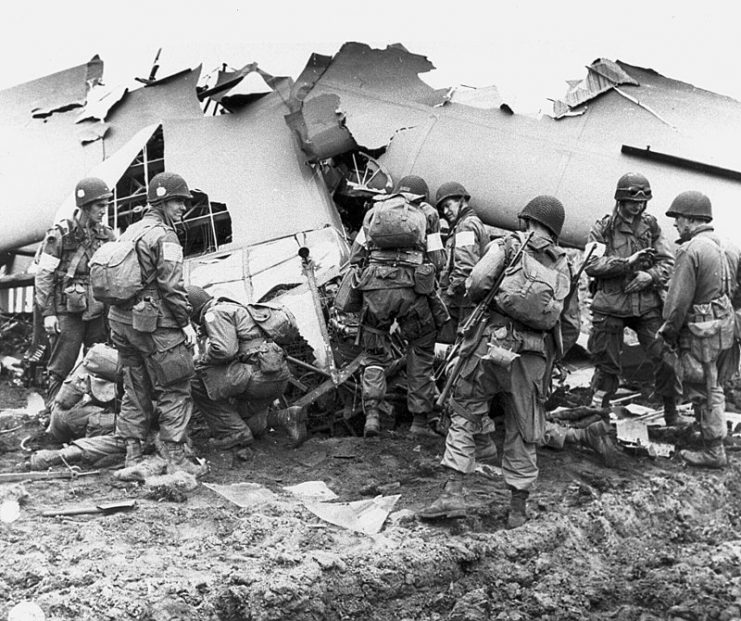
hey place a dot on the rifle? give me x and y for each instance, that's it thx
(475, 322)
(577, 277)
(43, 475)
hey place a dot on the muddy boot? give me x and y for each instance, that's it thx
(149, 466)
(177, 461)
(239, 439)
(450, 504)
(41, 460)
(597, 437)
(293, 421)
(258, 423)
(372, 423)
(420, 427)
(517, 508)
(671, 418)
(713, 456)
(486, 450)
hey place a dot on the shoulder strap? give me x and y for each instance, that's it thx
(73, 264)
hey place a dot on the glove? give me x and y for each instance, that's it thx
(640, 281)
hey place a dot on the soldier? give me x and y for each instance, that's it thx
(239, 373)
(514, 354)
(397, 280)
(699, 318)
(153, 334)
(630, 268)
(465, 245)
(72, 317)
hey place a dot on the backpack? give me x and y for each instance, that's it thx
(115, 273)
(275, 320)
(397, 223)
(533, 293)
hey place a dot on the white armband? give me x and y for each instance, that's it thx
(47, 262)
(465, 238)
(172, 252)
(434, 242)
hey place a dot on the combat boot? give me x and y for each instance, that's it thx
(517, 508)
(258, 423)
(450, 504)
(239, 439)
(41, 460)
(597, 437)
(177, 461)
(671, 417)
(486, 450)
(420, 427)
(713, 456)
(372, 423)
(293, 421)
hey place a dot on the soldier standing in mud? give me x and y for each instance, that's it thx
(154, 336)
(465, 244)
(72, 317)
(630, 268)
(513, 358)
(397, 282)
(699, 319)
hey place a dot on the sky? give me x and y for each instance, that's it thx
(527, 48)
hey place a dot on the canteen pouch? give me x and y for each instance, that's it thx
(424, 279)
(144, 316)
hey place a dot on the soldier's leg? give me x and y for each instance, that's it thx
(65, 349)
(709, 402)
(137, 410)
(380, 306)
(68, 424)
(524, 421)
(226, 425)
(96, 331)
(605, 346)
(418, 327)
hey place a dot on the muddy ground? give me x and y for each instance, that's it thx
(651, 539)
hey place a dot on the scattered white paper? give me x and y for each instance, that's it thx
(245, 495)
(363, 516)
(312, 490)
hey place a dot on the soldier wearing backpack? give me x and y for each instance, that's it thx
(397, 279)
(152, 331)
(630, 271)
(242, 369)
(532, 320)
(72, 317)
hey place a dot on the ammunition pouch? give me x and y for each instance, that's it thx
(711, 329)
(75, 296)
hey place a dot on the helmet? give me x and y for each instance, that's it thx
(547, 210)
(691, 204)
(448, 190)
(413, 184)
(91, 189)
(633, 187)
(165, 186)
(197, 298)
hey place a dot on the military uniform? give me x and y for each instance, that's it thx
(239, 373)
(396, 285)
(157, 366)
(465, 246)
(613, 309)
(525, 383)
(62, 289)
(700, 290)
